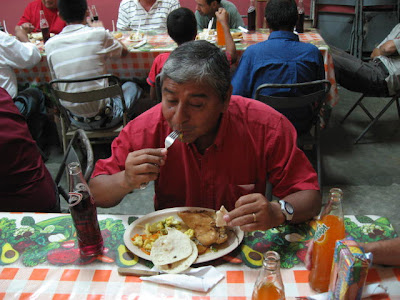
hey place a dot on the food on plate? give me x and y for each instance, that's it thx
(181, 265)
(203, 35)
(219, 217)
(237, 35)
(204, 226)
(136, 36)
(37, 36)
(117, 35)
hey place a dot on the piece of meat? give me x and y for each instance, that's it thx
(203, 224)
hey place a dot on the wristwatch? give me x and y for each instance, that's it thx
(287, 210)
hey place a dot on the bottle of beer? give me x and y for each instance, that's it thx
(84, 213)
(330, 228)
(44, 27)
(251, 16)
(300, 18)
(269, 283)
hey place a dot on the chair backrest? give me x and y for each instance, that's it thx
(315, 99)
(79, 150)
(114, 89)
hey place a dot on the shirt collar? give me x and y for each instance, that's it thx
(283, 35)
(72, 27)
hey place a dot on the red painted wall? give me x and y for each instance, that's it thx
(107, 9)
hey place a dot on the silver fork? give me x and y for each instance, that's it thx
(169, 140)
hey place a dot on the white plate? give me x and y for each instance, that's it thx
(237, 40)
(235, 236)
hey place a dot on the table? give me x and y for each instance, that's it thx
(139, 61)
(39, 260)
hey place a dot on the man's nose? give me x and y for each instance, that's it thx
(181, 115)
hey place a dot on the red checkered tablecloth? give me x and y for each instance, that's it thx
(138, 62)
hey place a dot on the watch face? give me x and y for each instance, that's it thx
(289, 208)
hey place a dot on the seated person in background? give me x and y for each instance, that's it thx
(385, 252)
(380, 76)
(280, 59)
(81, 51)
(181, 24)
(31, 101)
(145, 14)
(25, 183)
(30, 20)
(206, 10)
(229, 146)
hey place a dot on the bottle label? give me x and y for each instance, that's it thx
(321, 230)
(81, 187)
(74, 198)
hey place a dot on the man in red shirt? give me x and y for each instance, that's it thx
(30, 20)
(25, 182)
(229, 147)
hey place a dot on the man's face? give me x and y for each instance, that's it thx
(194, 109)
(204, 9)
(50, 3)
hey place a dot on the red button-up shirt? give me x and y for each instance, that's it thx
(254, 143)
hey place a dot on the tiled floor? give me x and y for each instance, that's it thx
(367, 172)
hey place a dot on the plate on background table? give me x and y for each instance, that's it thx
(235, 235)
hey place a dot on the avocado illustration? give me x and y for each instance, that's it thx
(125, 257)
(251, 257)
(8, 254)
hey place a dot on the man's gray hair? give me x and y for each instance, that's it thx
(199, 61)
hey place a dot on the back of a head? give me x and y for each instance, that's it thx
(199, 61)
(281, 14)
(211, 1)
(72, 11)
(182, 25)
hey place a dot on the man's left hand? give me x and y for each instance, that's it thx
(255, 212)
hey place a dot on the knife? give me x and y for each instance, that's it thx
(137, 272)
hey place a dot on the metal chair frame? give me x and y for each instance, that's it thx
(316, 99)
(96, 136)
(372, 118)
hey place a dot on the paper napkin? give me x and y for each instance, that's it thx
(197, 279)
(369, 290)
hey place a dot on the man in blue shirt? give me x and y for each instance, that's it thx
(280, 59)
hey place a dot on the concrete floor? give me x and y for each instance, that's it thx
(367, 172)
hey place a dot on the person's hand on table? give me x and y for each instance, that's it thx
(255, 212)
(143, 166)
(27, 27)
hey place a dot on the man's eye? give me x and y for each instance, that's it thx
(196, 105)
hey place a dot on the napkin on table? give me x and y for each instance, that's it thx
(369, 290)
(197, 279)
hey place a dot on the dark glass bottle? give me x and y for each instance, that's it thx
(300, 19)
(251, 16)
(84, 213)
(44, 27)
(94, 12)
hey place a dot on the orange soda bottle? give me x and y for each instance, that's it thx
(269, 285)
(330, 228)
(220, 34)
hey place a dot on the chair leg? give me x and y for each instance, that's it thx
(398, 106)
(352, 108)
(375, 120)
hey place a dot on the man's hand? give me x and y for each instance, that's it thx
(28, 27)
(255, 212)
(386, 49)
(94, 23)
(222, 16)
(143, 166)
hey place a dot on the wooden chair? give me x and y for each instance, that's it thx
(359, 103)
(315, 99)
(67, 129)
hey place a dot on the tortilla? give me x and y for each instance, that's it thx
(182, 265)
(171, 248)
(219, 217)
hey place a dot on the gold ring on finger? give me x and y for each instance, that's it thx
(254, 218)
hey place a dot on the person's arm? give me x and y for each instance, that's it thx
(385, 252)
(141, 167)
(386, 49)
(21, 31)
(223, 17)
(306, 204)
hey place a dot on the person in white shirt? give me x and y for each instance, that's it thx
(81, 51)
(31, 101)
(145, 14)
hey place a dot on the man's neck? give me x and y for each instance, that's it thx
(147, 4)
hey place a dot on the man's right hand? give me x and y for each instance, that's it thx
(143, 166)
(28, 27)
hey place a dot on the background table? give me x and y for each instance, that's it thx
(139, 61)
(39, 258)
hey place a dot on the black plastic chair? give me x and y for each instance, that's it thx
(359, 103)
(315, 99)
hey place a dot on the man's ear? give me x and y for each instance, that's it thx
(228, 98)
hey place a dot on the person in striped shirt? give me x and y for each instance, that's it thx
(145, 14)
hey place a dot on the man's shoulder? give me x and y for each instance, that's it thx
(226, 3)
(170, 2)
